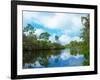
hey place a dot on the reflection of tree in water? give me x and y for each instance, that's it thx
(41, 56)
(74, 51)
(78, 51)
(56, 60)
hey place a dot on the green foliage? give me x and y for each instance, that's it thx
(82, 46)
(41, 56)
(44, 35)
(32, 42)
(29, 28)
(74, 47)
(85, 36)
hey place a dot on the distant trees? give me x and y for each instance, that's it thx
(31, 41)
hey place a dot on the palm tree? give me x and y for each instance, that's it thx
(44, 36)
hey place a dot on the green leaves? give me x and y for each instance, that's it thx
(29, 28)
(85, 36)
(44, 35)
(33, 42)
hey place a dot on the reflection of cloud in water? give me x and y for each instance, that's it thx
(34, 65)
(78, 56)
(75, 61)
(65, 55)
(53, 57)
(37, 63)
(63, 59)
(66, 59)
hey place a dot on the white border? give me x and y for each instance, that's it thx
(21, 71)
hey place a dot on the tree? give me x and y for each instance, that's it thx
(44, 36)
(85, 37)
(56, 38)
(29, 30)
(29, 27)
(85, 30)
(30, 41)
(85, 33)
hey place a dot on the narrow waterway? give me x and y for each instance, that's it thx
(52, 58)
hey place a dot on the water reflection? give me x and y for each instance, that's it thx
(51, 58)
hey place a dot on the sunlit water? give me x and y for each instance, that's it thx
(52, 58)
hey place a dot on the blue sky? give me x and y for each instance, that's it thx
(65, 25)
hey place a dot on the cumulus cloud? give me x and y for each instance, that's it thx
(65, 39)
(55, 20)
(69, 24)
(52, 38)
(62, 21)
(39, 31)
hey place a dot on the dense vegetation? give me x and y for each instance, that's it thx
(31, 41)
(41, 56)
(82, 46)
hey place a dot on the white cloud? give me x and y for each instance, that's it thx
(38, 31)
(54, 22)
(65, 39)
(65, 56)
(27, 33)
(52, 38)
(29, 15)
(76, 38)
(62, 21)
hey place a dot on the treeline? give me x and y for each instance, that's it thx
(75, 47)
(82, 46)
(31, 41)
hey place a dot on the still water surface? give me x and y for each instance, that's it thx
(52, 58)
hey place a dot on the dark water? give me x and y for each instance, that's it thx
(52, 58)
